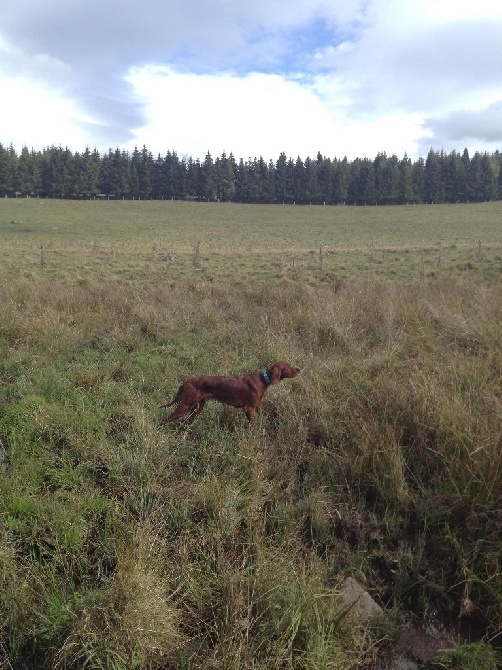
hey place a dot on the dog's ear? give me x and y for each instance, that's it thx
(275, 373)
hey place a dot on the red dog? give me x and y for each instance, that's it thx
(245, 391)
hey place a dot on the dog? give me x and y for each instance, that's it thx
(243, 391)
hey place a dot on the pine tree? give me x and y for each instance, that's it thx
(405, 192)
(283, 179)
(300, 189)
(361, 188)
(325, 179)
(193, 178)
(86, 173)
(113, 173)
(56, 172)
(341, 171)
(57, 177)
(208, 178)
(434, 188)
(418, 179)
(312, 190)
(241, 181)
(27, 175)
(141, 172)
(225, 177)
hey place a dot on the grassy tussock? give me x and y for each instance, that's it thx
(126, 545)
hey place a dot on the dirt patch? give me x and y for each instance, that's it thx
(424, 643)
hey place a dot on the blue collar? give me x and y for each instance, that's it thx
(265, 376)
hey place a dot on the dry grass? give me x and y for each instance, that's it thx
(219, 545)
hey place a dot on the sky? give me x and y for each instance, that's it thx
(252, 77)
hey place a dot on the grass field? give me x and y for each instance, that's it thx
(125, 544)
(154, 241)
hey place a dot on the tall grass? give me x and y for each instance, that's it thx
(124, 544)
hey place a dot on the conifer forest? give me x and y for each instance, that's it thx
(440, 177)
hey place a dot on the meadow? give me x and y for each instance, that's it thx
(215, 544)
(152, 241)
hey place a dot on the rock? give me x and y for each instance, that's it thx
(359, 601)
(404, 664)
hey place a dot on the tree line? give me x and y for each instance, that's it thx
(439, 178)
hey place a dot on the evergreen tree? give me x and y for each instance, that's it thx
(474, 178)
(464, 185)
(266, 186)
(271, 193)
(379, 167)
(325, 179)
(241, 181)
(433, 178)
(418, 179)
(57, 177)
(312, 190)
(251, 181)
(114, 175)
(300, 187)
(361, 187)
(482, 182)
(386, 172)
(8, 167)
(141, 172)
(405, 191)
(145, 173)
(86, 172)
(208, 178)
(225, 177)
(283, 179)
(159, 187)
(454, 177)
(497, 159)
(341, 171)
(56, 172)
(193, 178)
(168, 176)
(27, 176)
(178, 169)
(489, 176)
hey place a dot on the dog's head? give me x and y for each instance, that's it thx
(281, 370)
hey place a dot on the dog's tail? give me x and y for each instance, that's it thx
(175, 400)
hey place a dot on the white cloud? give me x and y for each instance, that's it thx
(34, 116)
(298, 76)
(252, 115)
(255, 114)
(419, 62)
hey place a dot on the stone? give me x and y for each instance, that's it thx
(359, 601)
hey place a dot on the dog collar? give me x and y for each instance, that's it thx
(265, 376)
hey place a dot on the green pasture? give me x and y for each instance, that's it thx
(157, 241)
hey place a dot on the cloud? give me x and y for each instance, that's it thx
(433, 63)
(251, 115)
(62, 122)
(135, 32)
(483, 127)
(252, 78)
(99, 42)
